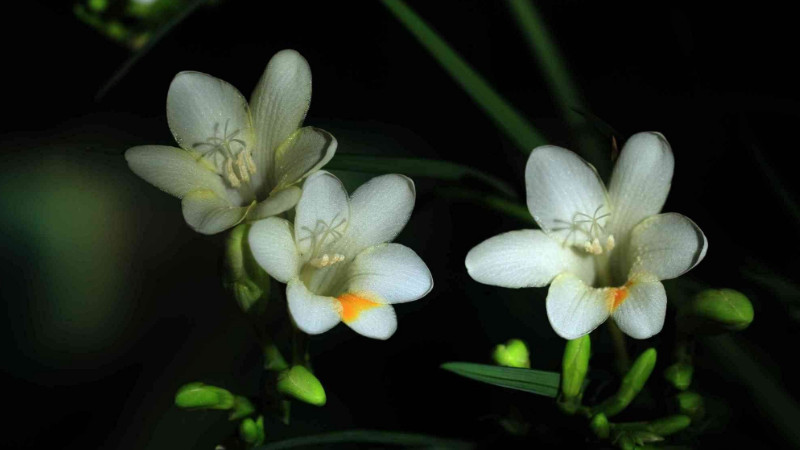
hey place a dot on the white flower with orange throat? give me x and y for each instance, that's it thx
(337, 258)
(603, 252)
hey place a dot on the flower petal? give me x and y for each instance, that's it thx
(279, 103)
(313, 314)
(207, 213)
(204, 111)
(276, 203)
(306, 151)
(322, 214)
(173, 170)
(665, 246)
(575, 309)
(524, 258)
(641, 314)
(379, 209)
(272, 244)
(368, 317)
(564, 194)
(640, 182)
(391, 272)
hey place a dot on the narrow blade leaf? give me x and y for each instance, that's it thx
(369, 437)
(499, 109)
(534, 381)
(417, 167)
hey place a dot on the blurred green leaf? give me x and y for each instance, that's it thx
(499, 109)
(417, 167)
(505, 206)
(369, 437)
(533, 381)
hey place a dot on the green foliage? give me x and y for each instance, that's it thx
(534, 381)
(383, 438)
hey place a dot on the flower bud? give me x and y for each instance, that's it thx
(600, 426)
(632, 383)
(252, 431)
(716, 311)
(669, 425)
(513, 354)
(300, 383)
(243, 276)
(201, 396)
(691, 404)
(574, 365)
(242, 407)
(679, 375)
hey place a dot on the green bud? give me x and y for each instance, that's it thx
(669, 425)
(679, 375)
(632, 383)
(273, 360)
(243, 276)
(513, 354)
(252, 431)
(242, 407)
(715, 311)
(574, 366)
(201, 396)
(600, 426)
(300, 383)
(691, 404)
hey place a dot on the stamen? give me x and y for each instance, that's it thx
(326, 260)
(610, 243)
(593, 247)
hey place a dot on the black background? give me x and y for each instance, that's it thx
(719, 83)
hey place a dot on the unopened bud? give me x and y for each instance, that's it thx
(574, 365)
(243, 276)
(632, 383)
(669, 425)
(252, 431)
(201, 396)
(600, 426)
(691, 404)
(716, 311)
(242, 407)
(300, 383)
(513, 354)
(679, 375)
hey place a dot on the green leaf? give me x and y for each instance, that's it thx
(533, 381)
(417, 167)
(499, 109)
(370, 437)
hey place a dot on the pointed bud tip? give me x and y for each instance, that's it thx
(201, 396)
(300, 383)
(513, 353)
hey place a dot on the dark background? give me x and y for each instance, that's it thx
(112, 302)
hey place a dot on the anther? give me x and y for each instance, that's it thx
(610, 243)
(326, 260)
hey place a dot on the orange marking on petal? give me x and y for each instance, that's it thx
(617, 296)
(353, 306)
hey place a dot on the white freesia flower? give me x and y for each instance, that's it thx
(603, 253)
(336, 259)
(236, 161)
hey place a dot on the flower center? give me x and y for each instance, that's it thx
(322, 273)
(588, 232)
(230, 156)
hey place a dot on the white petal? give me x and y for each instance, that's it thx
(391, 272)
(379, 209)
(524, 258)
(306, 151)
(276, 203)
(314, 314)
(665, 246)
(173, 170)
(207, 213)
(203, 111)
(322, 214)
(641, 314)
(376, 321)
(641, 180)
(279, 104)
(272, 244)
(575, 309)
(564, 194)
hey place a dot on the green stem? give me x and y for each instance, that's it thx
(623, 360)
